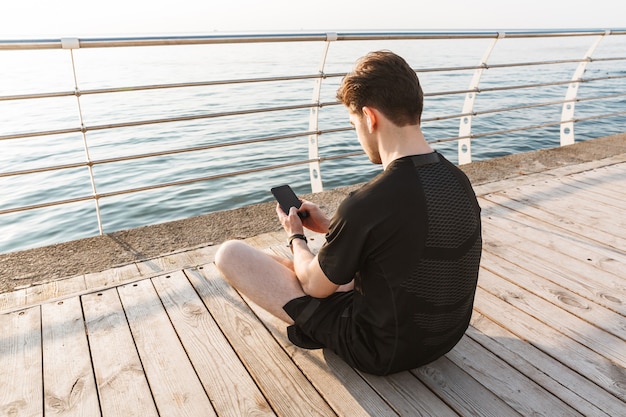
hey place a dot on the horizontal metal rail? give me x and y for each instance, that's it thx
(177, 183)
(276, 79)
(314, 106)
(158, 87)
(158, 121)
(22, 44)
(289, 136)
(279, 108)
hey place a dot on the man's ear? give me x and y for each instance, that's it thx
(370, 117)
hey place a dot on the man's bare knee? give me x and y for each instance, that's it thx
(227, 253)
(224, 251)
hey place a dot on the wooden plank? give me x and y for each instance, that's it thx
(122, 385)
(517, 390)
(55, 290)
(166, 263)
(150, 268)
(316, 240)
(462, 392)
(577, 357)
(583, 332)
(585, 309)
(267, 239)
(607, 187)
(68, 380)
(175, 386)
(12, 301)
(551, 196)
(229, 386)
(408, 396)
(570, 223)
(597, 192)
(569, 245)
(282, 383)
(203, 255)
(505, 234)
(20, 363)
(566, 170)
(561, 381)
(608, 178)
(578, 276)
(112, 277)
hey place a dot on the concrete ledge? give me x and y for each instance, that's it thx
(50, 263)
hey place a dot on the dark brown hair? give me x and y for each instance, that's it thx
(386, 82)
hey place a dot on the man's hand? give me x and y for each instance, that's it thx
(317, 220)
(291, 222)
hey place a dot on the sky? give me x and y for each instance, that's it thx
(29, 19)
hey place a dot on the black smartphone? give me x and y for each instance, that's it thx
(287, 199)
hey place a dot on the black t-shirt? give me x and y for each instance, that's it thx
(411, 240)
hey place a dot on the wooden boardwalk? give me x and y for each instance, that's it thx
(168, 337)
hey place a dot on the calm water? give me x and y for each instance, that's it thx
(23, 72)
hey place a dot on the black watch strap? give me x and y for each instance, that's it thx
(296, 236)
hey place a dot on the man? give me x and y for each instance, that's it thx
(392, 288)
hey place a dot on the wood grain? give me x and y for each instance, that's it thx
(173, 381)
(216, 363)
(122, 385)
(69, 383)
(21, 377)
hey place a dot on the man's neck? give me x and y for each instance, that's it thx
(399, 142)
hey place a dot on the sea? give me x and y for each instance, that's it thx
(51, 71)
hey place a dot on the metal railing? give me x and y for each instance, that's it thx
(466, 116)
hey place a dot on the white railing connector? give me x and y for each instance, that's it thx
(465, 125)
(70, 43)
(567, 114)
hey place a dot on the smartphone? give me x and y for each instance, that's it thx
(287, 199)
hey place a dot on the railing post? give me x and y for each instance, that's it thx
(314, 166)
(567, 114)
(71, 44)
(465, 125)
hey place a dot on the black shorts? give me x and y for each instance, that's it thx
(327, 323)
(319, 322)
